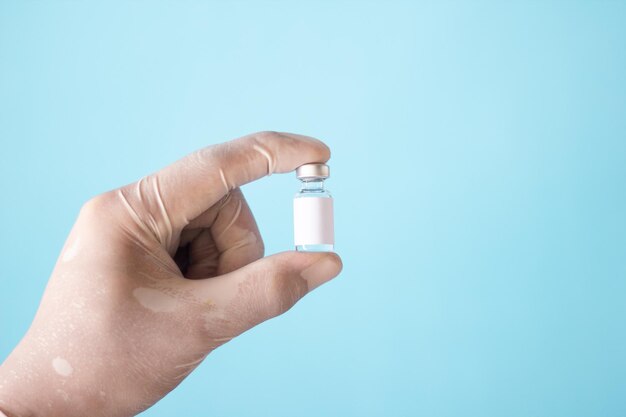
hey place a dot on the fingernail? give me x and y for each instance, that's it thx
(323, 270)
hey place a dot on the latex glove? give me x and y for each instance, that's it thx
(153, 277)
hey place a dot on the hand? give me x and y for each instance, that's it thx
(153, 277)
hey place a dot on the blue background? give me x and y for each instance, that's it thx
(479, 171)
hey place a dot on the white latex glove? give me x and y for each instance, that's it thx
(153, 277)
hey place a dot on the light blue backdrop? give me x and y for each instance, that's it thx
(479, 175)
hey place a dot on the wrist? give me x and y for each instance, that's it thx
(11, 402)
(29, 398)
(27, 391)
(9, 407)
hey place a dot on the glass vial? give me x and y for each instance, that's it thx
(313, 224)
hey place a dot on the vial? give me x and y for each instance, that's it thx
(313, 225)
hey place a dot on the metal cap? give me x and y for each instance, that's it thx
(314, 170)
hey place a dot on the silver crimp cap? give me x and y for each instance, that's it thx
(311, 171)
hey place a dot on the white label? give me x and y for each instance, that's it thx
(313, 221)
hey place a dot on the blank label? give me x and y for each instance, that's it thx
(313, 221)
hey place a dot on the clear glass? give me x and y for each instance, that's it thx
(314, 187)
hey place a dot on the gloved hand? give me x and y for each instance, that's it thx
(153, 277)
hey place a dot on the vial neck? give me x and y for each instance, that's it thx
(312, 185)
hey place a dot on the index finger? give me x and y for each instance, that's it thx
(191, 185)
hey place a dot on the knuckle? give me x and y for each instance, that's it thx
(97, 204)
(266, 136)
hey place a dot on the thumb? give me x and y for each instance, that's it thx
(268, 287)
